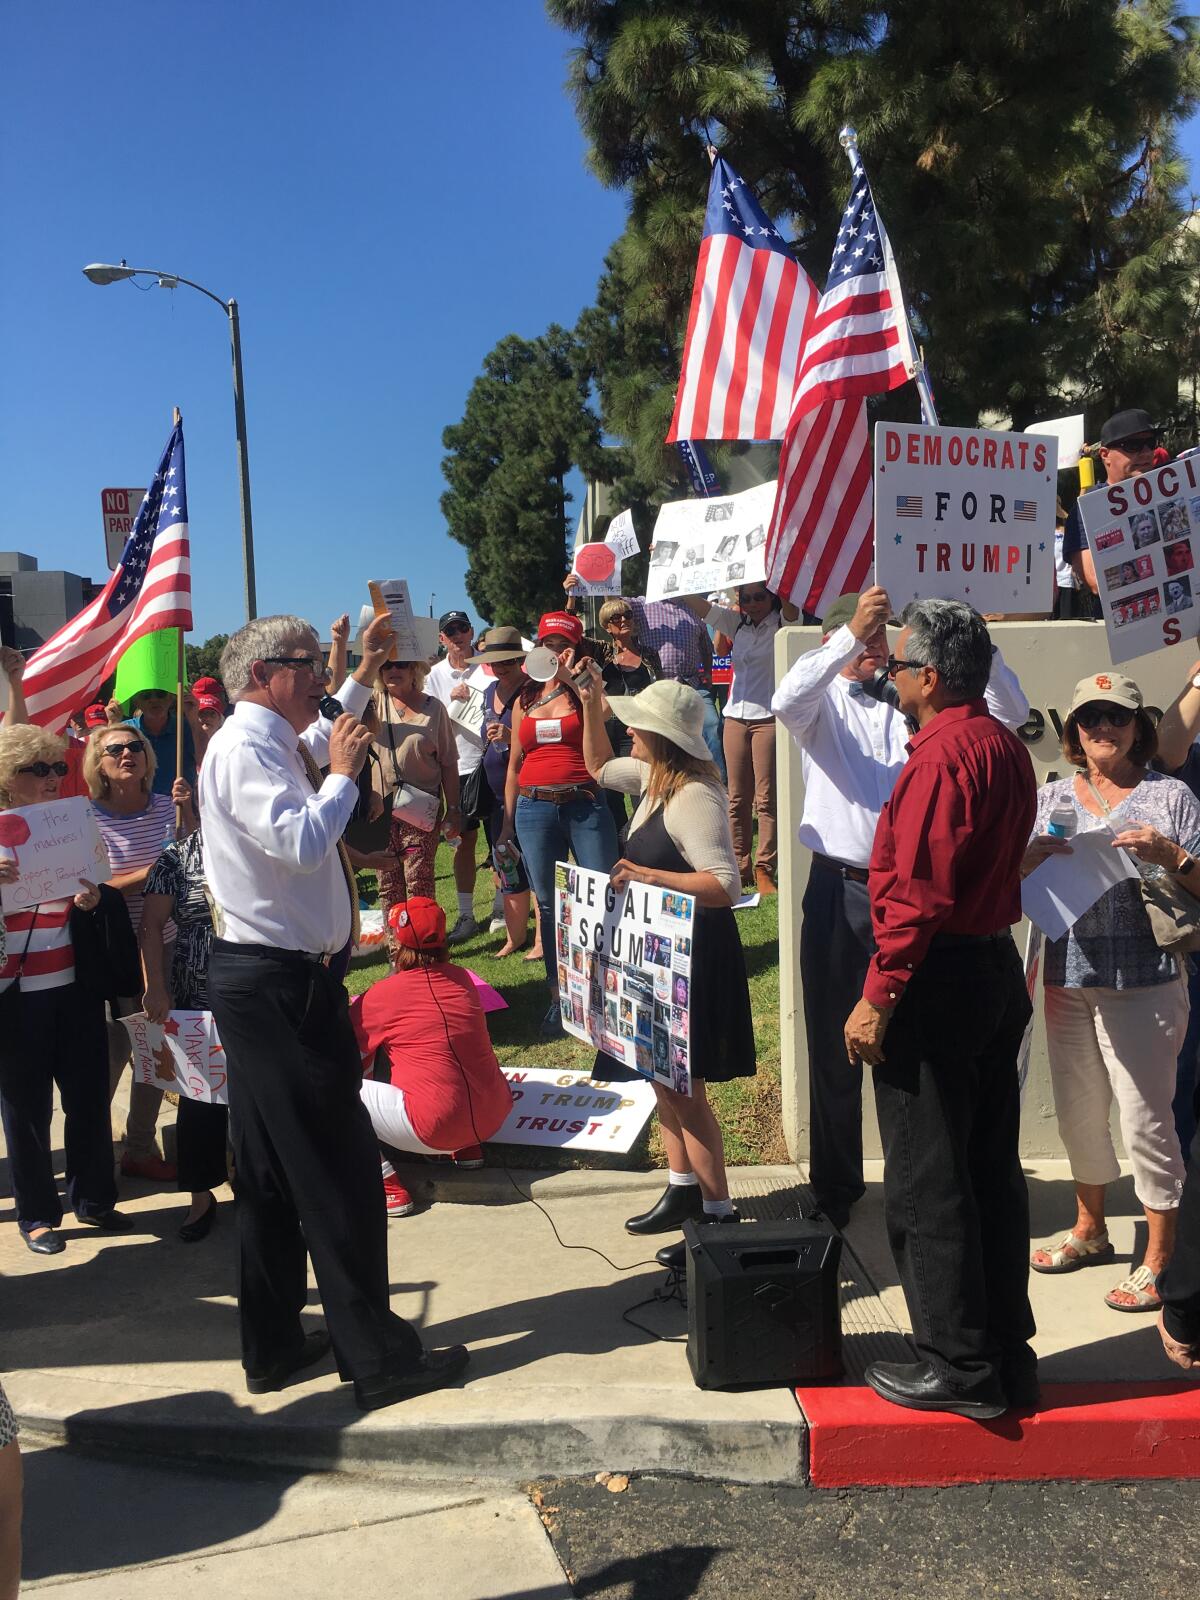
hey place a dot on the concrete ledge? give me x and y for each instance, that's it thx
(1102, 1431)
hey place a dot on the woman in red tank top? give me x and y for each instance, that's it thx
(552, 805)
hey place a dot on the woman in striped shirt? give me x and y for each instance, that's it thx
(135, 824)
(51, 1029)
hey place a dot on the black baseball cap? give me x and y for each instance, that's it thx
(449, 618)
(1125, 425)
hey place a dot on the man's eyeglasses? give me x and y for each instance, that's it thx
(1090, 717)
(1135, 444)
(454, 628)
(749, 599)
(43, 769)
(895, 665)
(116, 751)
(312, 664)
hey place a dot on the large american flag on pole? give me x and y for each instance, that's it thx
(745, 336)
(151, 589)
(856, 343)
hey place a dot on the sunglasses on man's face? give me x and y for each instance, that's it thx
(43, 769)
(312, 664)
(895, 665)
(456, 628)
(1090, 717)
(1135, 444)
(754, 597)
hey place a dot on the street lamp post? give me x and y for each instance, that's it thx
(101, 273)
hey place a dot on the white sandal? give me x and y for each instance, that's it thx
(1141, 1285)
(1074, 1252)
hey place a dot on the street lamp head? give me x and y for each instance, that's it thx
(98, 272)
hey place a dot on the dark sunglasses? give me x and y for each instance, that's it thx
(456, 627)
(116, 751)
(43, 769)
(1135, 444)
(1092, 716)
(895, 665)
(314, 664)
(748, 599)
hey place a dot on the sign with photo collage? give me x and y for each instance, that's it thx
(625, 971)
(1144, 536)
(704, 545)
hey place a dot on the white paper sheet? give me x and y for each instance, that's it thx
(1064, 887)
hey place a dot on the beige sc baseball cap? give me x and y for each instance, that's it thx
(1113, 687)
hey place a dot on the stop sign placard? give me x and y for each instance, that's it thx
(595, 562)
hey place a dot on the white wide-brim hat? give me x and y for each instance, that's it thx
(672, 710)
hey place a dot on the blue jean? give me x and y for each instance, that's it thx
(712, 730)
(546, 833)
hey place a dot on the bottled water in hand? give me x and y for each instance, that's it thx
(1062, 823)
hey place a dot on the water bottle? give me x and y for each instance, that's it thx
(504, 856)
(1062, 821)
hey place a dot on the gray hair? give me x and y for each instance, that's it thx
(264, 637)
(952, 637)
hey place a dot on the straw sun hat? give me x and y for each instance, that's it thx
(671, 710)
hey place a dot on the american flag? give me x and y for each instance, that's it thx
(908, 505)
(745, 335)
(1025, 510)
(857, 343)
(151, 589)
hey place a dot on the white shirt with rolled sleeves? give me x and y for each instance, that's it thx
(753, 662)
(270, 839)
(441, 680)
(852, 746)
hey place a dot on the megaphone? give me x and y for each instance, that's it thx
(541, 664)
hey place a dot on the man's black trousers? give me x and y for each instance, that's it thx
(307, 1162)
(955, 1199)
(1179, 1284)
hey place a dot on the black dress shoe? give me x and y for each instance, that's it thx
(674, 1256)
(675, 1205)
(433, 1369)
(279, 1375)
(915, 1384)
(193, 1232)
(46, 1244)
(108, 1222)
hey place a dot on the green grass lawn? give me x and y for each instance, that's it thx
(748, 1108)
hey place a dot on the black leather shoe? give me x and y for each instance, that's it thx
(674, 1256)
(108, 1222)
(915, 1384)
(193, 1232)
(46, 1244)
(315, 1346)
(675, 1205)
(433, 1369)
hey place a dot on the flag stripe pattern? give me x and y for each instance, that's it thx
(745, 336)
(857, 343)
(150, 589)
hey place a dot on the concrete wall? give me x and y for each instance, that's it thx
(1049, 658)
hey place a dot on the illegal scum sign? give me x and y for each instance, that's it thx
(1143, 534)
(625, 971)
(965, 514)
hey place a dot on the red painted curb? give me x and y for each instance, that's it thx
(1081, 1430)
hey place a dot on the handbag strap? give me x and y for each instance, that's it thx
(16, 978)
(1100, 800)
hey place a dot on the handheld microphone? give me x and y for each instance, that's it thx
(330, 708)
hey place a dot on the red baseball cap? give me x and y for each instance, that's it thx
(419, 923)
(95, 716)
(560, 622)
(207, 686)
(210, 702)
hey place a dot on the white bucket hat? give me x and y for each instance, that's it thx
(671, 710)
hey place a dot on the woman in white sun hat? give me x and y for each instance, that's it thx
(679, 841)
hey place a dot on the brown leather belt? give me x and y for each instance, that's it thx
(855, 874)
(558, 795)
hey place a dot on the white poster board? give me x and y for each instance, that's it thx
(965, 514)
(1069, 433)
(55, 846)
(597, 564)
(1144, 536)
(184, 1055)
(408, 646)
(625, 971)
(703, 545)
(573, 1111)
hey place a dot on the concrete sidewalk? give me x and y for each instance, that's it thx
(132, 1341)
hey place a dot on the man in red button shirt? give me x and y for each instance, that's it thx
(941, 1020)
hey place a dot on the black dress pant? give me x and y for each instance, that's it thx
(48, 1037)
(201, 1134)
(836, 944)
(956, 1204)
(1179, 1284)
(308, 1176)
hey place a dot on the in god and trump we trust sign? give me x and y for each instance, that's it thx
(965, 514)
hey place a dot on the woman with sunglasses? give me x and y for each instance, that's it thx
(415, 750)
(1116, 1002)
(52, 1022)
(135, 823)
(629, 666)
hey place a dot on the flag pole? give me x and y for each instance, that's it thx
(848, 139)
(179, 675)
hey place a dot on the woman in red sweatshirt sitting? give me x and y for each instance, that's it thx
(445, 1091)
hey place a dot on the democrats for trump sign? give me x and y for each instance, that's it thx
(965, 514)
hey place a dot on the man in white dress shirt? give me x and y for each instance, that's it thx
(454, 680)
(307, 1161)
(853, 741)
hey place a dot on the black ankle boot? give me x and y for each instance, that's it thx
(678, 1202)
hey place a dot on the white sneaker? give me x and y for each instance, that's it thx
(465, 928)
(497, 925)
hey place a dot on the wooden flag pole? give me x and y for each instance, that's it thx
(179, 676)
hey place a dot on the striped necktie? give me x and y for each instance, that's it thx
(314, 777)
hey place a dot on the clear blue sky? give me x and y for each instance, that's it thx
(386, 189)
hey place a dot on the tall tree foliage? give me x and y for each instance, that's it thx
(1023, 156)
(527, 423)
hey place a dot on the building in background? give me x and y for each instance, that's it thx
(35, 604)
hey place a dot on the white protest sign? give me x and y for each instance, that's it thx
(1034, 946)
(625, 971)
(1069, 433)
(55, 845)
(573, 1111)
(702, 545)
(393, 593)
(597, 564)
(965, 514)
(1144, 534)
(184, 1055)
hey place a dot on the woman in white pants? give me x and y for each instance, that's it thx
(1116, 1003)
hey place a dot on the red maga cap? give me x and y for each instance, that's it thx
(419, 923)
(561, 623)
